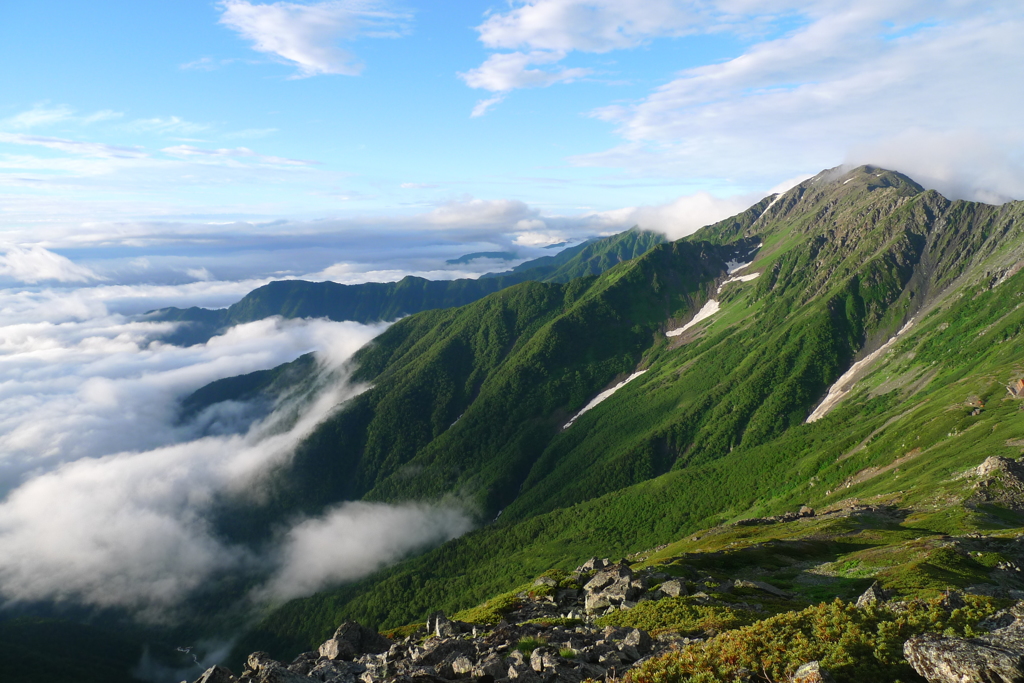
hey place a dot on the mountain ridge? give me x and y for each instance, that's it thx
(385, 301)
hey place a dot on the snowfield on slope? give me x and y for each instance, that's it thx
(602, 396)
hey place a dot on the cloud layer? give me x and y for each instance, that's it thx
(105, 495)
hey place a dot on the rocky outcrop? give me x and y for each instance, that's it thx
(874, 594)
(777, 519)
(1000, 482)
(549, 637)
(997, 657)
(613, 586)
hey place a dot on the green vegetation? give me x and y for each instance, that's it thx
(473, 400)
(528, 645)
(856, 645)
(470, 404)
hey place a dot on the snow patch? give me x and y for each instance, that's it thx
(844, 384)
(739, 278)
(847, 180)
(710, 308)
(773, 202)
(602, 396)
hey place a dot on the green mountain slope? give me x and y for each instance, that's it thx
(376, 301)
(714, 429)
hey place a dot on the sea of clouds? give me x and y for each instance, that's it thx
(106, 493)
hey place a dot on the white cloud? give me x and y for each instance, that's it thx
(39, 115)
(480, 213)
(849, 77)
(191, 152)
(546, 31)
(586, 25)
(93, 149)
(484, 106)
(43, 115)
(169, 124)
(104, 115)
(307, 35)
(355, 539)
(510, 71)
(110, 493)
(963, 164)
(199, 274)
(36, 264)
(678, 218)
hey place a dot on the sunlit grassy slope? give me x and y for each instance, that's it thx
(714, 430)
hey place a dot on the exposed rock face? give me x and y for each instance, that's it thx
(955, 660)
(613, 586)
(1000, 482)
(997, 657)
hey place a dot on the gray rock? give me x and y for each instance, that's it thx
(332, 672)
(958, 660)
(462, 665)
(592, 564)
(217, 674)
(611, 587)
(338, 649)
(628, 653)
(811, 672)
(352, 639)
(674, 588)
(260, 668)
(492, 666)
(543, 658)
(639, 640)
(873, 594)
(447, 649)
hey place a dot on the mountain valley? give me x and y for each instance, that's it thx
(815, 398)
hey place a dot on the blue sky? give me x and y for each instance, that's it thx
(169, 133)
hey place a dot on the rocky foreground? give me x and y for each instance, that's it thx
(550, 637)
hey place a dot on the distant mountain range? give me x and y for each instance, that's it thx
(376, 301)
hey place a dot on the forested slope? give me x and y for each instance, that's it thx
(715, 427)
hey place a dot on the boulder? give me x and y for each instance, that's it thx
(954, 660)
(811, 672)
(611, 587)
(674, 588)
(492, 665)
(352, 639)
(217, 674)
(329, 671)
(592, 564)
(260, 668)
(873, 594)
(639, 640)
